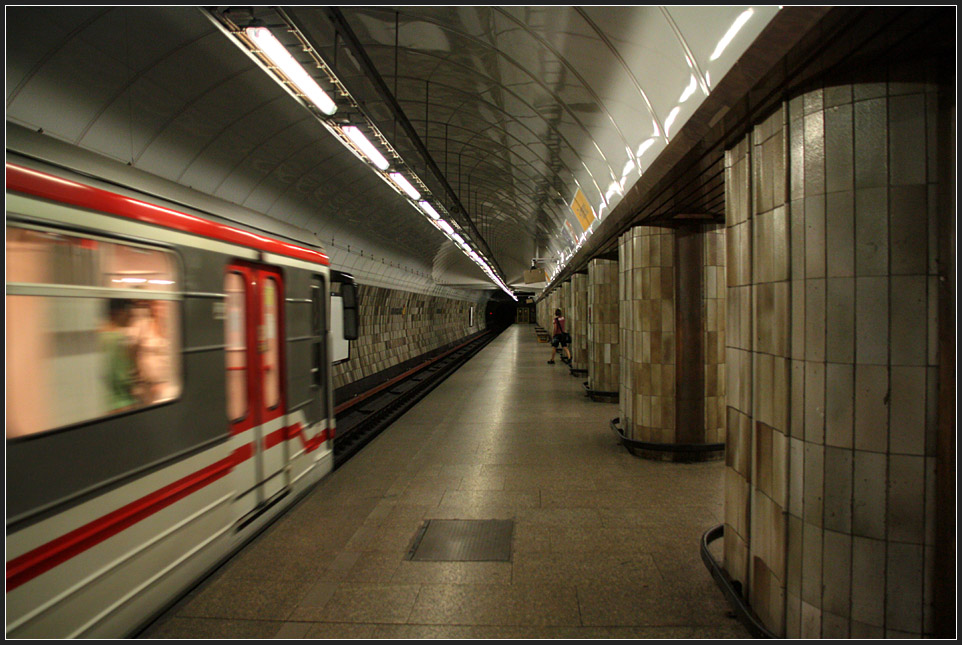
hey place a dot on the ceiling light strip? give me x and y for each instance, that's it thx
(272, 56)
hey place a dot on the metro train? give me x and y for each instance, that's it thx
(168, 394)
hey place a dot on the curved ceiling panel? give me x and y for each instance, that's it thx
(503, 114)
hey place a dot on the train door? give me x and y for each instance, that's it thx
(255, 378)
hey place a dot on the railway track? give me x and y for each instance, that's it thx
(362, 418)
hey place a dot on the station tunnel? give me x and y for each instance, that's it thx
(481, 322)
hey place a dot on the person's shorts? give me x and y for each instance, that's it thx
(560, 340)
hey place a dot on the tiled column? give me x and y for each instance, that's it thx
(603, 361)
(578, 321)
(541, 309)
(833, 354)
(646, 262)
(564, 299)
(672, 337)
(553, 302)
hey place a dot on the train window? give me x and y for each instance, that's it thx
(235, 334)
(269, 347)
(318, 329)
(92, 328)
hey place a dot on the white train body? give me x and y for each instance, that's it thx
(137, 463)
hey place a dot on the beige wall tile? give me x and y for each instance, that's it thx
(838, 489)
(839, 404)
(906, 488)
(868, 494)
(903, 609)
(907, 410)
(871, 407)
(868, 581)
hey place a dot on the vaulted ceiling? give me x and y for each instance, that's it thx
(502, 116)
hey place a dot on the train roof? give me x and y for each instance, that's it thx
(29, 181)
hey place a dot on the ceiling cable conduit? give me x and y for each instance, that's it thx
(357, 50)
(353, 127)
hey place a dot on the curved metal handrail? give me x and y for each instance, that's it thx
(663, 447)
(731, 588)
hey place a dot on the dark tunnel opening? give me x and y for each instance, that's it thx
(500, 313)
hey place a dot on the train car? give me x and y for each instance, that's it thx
(168, 395)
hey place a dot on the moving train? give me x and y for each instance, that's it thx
(168, 394)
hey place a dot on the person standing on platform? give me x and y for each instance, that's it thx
(560, 338)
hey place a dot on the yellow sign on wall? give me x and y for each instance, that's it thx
(582, 210)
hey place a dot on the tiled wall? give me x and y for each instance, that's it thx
(579, 321)
(832, 362)
(399, 325)
(604, 363)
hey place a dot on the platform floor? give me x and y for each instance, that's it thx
(605, 545)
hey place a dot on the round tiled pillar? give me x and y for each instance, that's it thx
(836, 208)
(603, 359)
(672, 339)
(578, 321)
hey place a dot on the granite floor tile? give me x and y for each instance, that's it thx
(485, 573)
(339, 631)
(496, 605)
(489, 632)
(552, 568)
(491, 498)
(482, 483)
(636, 605)
(249, 598)
(375, 566)
(219, 628)
(361, 602)
(290, 630)
(313, 600)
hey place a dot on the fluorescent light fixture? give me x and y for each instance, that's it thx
(160, 281)
(355, 135)
(282, 59)
(427, 208)
(730, 34)
(444, 226)
(130, 280)
(402, 183)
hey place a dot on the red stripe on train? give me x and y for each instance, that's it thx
(47, 556)
(39, 184)
(289, 432)
(296, 430)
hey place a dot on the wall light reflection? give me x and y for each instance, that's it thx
(730, 34)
